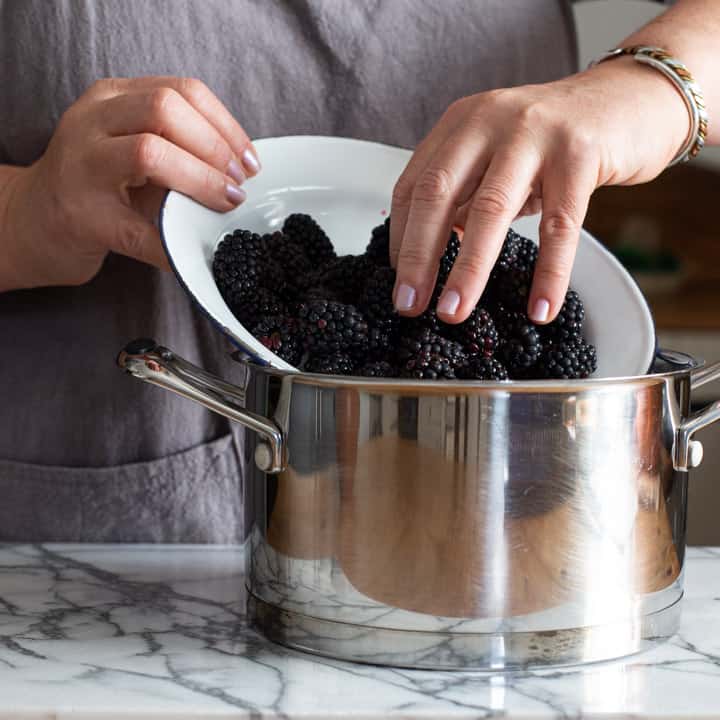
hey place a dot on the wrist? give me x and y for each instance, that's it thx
(24, 230)
(656, 104)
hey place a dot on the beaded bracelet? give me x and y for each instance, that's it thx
(684, 82)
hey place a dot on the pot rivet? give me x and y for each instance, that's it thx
(695, 453)
(263, 456)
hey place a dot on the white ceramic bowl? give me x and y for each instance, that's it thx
(346, 185)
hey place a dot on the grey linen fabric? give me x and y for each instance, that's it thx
(88, 454)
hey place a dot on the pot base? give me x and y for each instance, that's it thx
(462, 651)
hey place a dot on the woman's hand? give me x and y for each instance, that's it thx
(499, 154)
(98, 186)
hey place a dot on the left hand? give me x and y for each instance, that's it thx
(503, 153)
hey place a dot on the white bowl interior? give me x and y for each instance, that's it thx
(346, 185)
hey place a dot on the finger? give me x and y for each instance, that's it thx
(567, 188)
(532, 206)
(405, 185)
(134, 160)
(497, 201)
(163, 111)
(201, 98)
(446, 183)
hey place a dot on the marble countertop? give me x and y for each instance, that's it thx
(137, 631)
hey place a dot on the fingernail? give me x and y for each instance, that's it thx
(235, 194)
(540, 311)
(235, 172)
(405, 297)
(448, 303)
(250, 161)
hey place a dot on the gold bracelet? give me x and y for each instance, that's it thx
(685, 84)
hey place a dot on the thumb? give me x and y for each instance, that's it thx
(132, 235)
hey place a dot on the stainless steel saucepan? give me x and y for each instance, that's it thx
(460, 524)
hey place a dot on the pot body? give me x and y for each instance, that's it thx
(459, 525)
(493, 527)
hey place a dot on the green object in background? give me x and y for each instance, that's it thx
(637, 259)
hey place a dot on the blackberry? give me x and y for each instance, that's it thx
(276, 237)
(302, 301)
(427, 320)
(303, 230)
(512, 275)
(411, 327)
(411, 341)
(329, 327)
(521, 343)
(280, 335)
(569, 321)
(477, 333)
(483, 368)
(319, 292)
(289, 254)
(298, 274)
(378, 249)
(587, 358)
(569, 360)
(273, 240)
(376, 301)
(380, 368)
(517, 252)
(381, 341)
(431, 357)
(336, 364)
(346, 277)
(258, 305)
(240, 266)
(448, 258)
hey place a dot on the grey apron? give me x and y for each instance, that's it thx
(87, 454)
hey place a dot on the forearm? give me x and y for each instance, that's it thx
(690, 31)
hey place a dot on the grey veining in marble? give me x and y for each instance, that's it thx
(147, 631)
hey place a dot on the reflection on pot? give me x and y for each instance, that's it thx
(422, 517)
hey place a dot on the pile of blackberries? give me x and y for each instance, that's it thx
(334, 315)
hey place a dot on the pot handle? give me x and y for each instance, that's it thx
(148, 361)
(687, 452)
(704, 375)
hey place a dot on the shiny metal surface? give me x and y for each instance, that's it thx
(464, 524)
(451, 650)
(160, 366)
(689, 452)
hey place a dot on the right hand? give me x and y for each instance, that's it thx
(99, 185)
